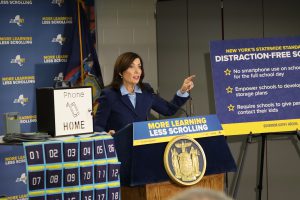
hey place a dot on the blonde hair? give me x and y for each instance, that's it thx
(201, 194)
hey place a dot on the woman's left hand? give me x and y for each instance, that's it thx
(187, 84)
(111, 132)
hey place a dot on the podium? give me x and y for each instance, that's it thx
(142, 169)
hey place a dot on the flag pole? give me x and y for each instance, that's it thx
(80, 42)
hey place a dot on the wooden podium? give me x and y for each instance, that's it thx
(165, 190)
(142, 172)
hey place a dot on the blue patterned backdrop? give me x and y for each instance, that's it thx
(36, 39)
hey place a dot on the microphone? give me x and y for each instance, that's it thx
(173, 104)
(122, 129)
(180, 108)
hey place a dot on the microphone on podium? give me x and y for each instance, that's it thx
(173, 104)
(180, 108)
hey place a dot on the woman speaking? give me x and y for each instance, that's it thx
(127, 99)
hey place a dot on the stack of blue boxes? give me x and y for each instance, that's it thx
(84, 168)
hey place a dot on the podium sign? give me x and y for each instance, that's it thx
(158, 131)
(65, 111)
(141, 145)
(185, 161)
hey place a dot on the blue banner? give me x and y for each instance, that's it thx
(256, 84)
(150, 132)
(13, 172)
(33, 37)
(36, 43)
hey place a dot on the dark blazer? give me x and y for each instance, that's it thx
(116, 111)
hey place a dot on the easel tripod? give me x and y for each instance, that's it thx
(262, 158)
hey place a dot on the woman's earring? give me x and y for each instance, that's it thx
(121, 75)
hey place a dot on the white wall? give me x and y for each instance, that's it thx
(126, 25)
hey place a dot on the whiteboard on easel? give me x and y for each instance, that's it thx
(256, 84)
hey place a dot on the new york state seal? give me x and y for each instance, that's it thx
(184, 161)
